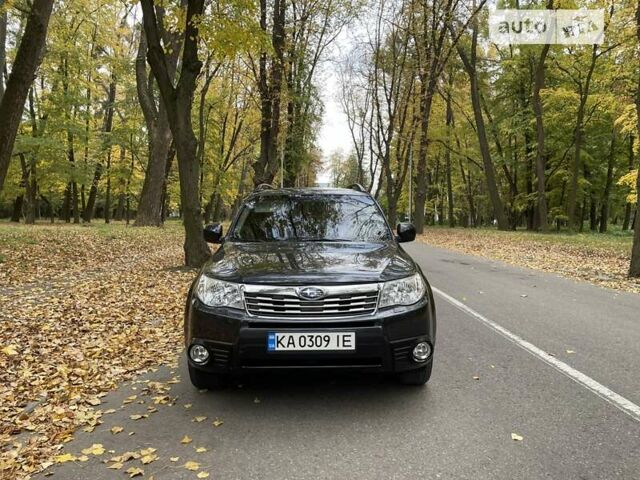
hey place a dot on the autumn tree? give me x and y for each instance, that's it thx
(23, 70)
(634, 268)
(178, 101)
(155, 115)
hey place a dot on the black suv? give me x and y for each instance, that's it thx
(306, 279)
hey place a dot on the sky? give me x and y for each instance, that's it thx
(334, 132)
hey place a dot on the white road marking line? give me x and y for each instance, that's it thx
(589, 383)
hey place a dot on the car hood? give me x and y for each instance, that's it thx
(297, 263)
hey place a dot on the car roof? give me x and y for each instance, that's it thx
(308, 191)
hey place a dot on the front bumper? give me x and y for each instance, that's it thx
(237, 342)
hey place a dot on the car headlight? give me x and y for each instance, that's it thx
(405, 291)
(218, 293)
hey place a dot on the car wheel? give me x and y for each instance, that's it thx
(419, 376)
(206, 380)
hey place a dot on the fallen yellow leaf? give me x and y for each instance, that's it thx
(116, 429)
(148, 459)
(193, 466)
(115, 466)
(67, 457)
(516, 437)
(10, 350)
(202, 475)
(201, 450)
(199, 419)
(217, 422)
(134, 472)
(185, 440)
(95, 449)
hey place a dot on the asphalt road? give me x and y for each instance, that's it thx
(457, 427)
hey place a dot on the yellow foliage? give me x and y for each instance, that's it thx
(630, 180)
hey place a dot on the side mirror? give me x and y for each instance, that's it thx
(213, 233)
(406, 232)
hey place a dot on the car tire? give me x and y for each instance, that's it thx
(206, 380)
(418, 377)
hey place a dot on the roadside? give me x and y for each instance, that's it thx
(599, 259)
(83, 309)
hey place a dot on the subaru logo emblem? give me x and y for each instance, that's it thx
(311, 293)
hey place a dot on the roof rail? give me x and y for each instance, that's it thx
(263, 186)
(358, 187)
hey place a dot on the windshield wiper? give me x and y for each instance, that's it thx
(310, 239)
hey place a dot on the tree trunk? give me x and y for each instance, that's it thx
(3, 46)
(107, 127)
(178, 102)
(531, 214)
(165, 195)
(541, 154)
(447, 159)
(25, 64)
(590, 196)
(71, 194)
(122, 185)
(65, 213)
(128, 191)
(151, 198)
(49, 208)
(593, 209)
(627, 205)
(578, 138)
(421, 179)
(634, 268)
(150, 205)
(489, 170)
(119, 214)
(107, 193)
(431, 61)
(604, 211)
(267, 165)
(240, 194)
(469, 194)
(31, 187)
(17, 208)
(75, 200)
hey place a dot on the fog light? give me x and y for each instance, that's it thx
(421, 352)
(199, 354)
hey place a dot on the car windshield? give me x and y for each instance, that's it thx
(311, 218)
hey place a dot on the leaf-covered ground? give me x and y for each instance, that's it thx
(81, 309)
(599, 259)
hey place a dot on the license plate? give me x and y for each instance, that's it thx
(310, 341)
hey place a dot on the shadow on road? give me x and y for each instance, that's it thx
(342, 395)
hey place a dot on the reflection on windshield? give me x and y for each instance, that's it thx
(311, 218)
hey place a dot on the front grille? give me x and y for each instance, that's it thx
(283, 305)
(292, 324)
